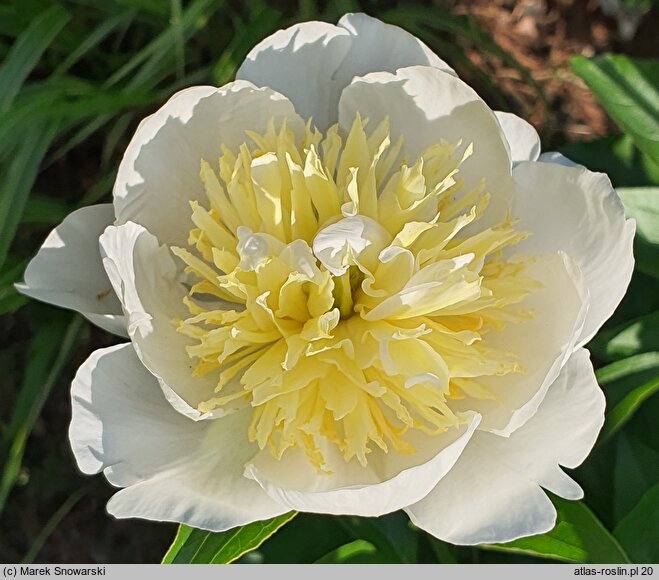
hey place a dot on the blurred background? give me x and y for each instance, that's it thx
(76, 78)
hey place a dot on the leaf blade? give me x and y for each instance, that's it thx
(633, 531)
(20, 178)
(628, 89)
(27, 50)
(195, 546)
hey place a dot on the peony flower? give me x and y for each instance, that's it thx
(349, 287)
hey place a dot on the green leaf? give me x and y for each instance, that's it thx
(629, 91)
(355, 552)
(630, 338)
(578, 536)
(444, 552)
(627, 384)
(639, 530)
(391, 534)
(291, 544)
(642, 204)
(27, 50)
(624, 410)
(194, 546)
(635, 471)
(618, 157)
(625, 369)
(19, 178)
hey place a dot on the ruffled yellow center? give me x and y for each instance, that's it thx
(338, 294)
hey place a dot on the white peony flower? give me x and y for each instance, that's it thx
(349, 287)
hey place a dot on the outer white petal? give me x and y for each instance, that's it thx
(543, 345)
(578, 211)
(522, 137)
(426, 105)
(559, 158)
(388, 483)
(377, 46)
(311, 63)
(68, 272)
(159, 173)
(493, 493)
(300, 62)
(145, 277)
(175, 469)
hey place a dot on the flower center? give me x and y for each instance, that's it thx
(338, 294)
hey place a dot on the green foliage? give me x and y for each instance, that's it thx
(627, 384)
(629, 91)
(640, 334)
(639, 530)
(618, 157)
(26, 51)
(355, 552)
(193, 546)
(642, 204)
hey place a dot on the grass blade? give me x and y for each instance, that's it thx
(160, 48)
(26, 52)
(100, 33)
(19, 179)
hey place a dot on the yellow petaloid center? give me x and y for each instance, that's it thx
(338, 294)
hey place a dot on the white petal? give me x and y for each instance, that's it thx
(543, 345)
(559, 158)
(578, 211)
(114, 323)
(351, 240)
(68, 272)
(522, 138)
(300, 62)
(493, 493)
(377, 46)
(426, 105)
(159, 174)
(380, 47)
(389, 482)
(311, 63)
(144, 275)
(175, 469)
